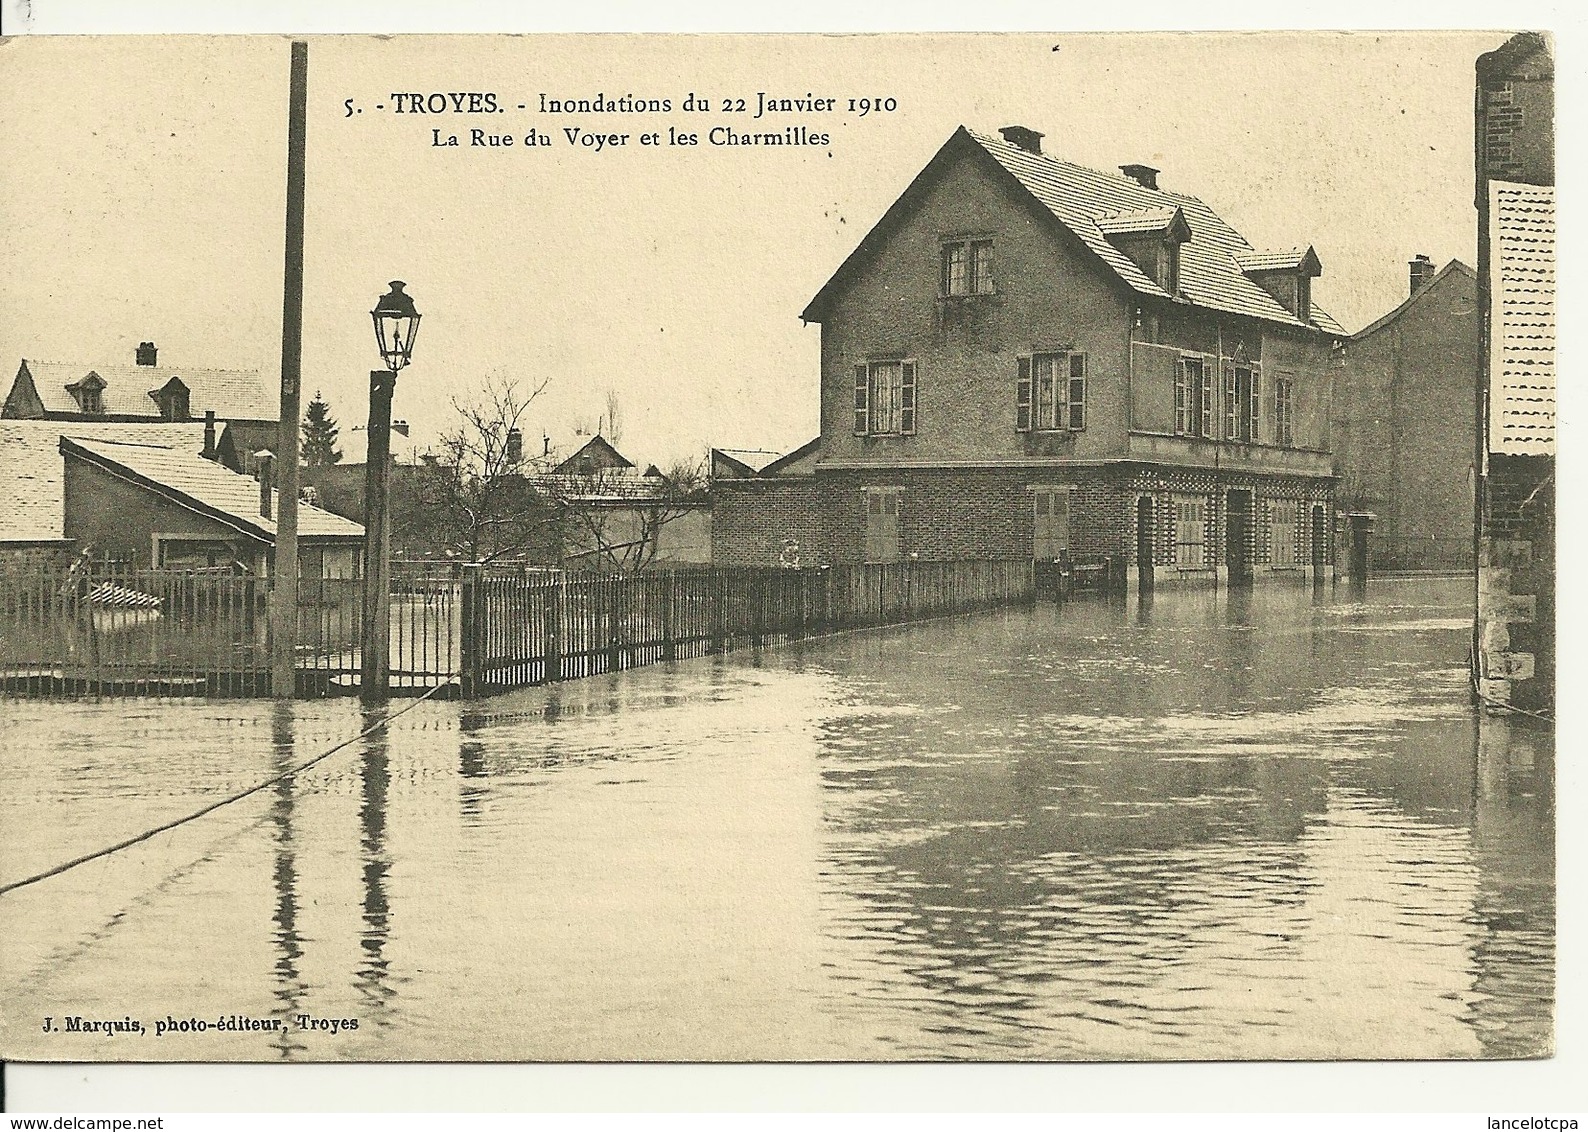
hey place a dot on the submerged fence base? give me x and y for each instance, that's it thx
(467, 630)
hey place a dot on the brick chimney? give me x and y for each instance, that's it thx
(267, 470)
(400, 427)
(209, 434)
(515, 446)
(1024, 137)
(146, 353)
(1422, 271)
(1144, 175)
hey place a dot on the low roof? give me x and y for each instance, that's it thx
(234, 394)
(1077, 198)
(183, 476)
(32, 480)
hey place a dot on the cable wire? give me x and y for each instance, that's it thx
(57, 870)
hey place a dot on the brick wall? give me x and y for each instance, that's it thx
(1516, 582)
(750, 519)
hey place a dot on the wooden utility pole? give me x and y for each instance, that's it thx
(284, 590)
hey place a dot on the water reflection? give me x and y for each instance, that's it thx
(289, 988)
(1199, 825)
(373, 978)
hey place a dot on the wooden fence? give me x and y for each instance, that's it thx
(471, 630)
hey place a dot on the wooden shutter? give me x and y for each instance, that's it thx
(1183, 392)
(1210, 375)
(862, 400)
(907, 400)
(1231, 417)
(1255, 396)
(1023, 396)
(1077, 393)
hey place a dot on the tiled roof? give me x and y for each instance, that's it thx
(1289, 259)
(1139, 220)
(1522, 319)
(234, 394)
(32, 485)
(1209, 274)
(611, 485)
(203, 485)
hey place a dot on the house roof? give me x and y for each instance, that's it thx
(1289, 259)
(601, 453)
(783, 462)
(180, 474)
(1454, 267)
(32, 479)
(610, 485)
(1077, 198)
(234, 394)
(1522, 319)
(1140, 220)
(742, 462)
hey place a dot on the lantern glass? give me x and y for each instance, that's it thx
(396, 325)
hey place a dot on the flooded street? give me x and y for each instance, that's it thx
(1252, 826)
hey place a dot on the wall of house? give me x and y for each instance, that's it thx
(758, 522)
(120, 519)
(1405, 418)
(1048, 295)
(1516, 582)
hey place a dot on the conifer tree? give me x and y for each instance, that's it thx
(319, 434)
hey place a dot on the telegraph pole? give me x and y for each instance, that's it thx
(284, 591)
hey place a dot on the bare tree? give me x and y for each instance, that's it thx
(477, 489)
(613, 421)
(615, 520)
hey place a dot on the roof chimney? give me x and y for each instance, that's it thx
(1144, 175)
(400, 427)
(1422, 270)
(146, 353)
(1024, 137)
(515, 446)
(209, 434)
(266, 474)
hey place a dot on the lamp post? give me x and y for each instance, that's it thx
(396, 323)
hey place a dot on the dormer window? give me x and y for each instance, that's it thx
(1287, 277)
(1151, 239)
(966, 268)
(89, 393)
(173, 399)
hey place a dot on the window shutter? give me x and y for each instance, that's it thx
(1210, 369)
(862, 400)
(907, 400)
(1257, 407)
(1231, 417)
(1077, 417)
(1182, 407)
(1023, 397)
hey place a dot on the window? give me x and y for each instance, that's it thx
(1193, 399)
(885, 398)
(967, 268)
(1050, 525)
(1284, 411)
(882, 523)
(1050, 394)
(1242, 409)
(1283, 521)
(1190, 532)
(89, 393)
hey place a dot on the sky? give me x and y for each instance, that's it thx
(143, 195)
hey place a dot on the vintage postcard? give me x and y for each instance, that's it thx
(777, 548)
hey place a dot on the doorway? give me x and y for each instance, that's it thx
(1144, 541)
(1238, 536)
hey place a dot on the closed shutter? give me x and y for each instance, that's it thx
(862, 400)
(1023, 397)
(1231, 416)
(1210, 369)
(1077, 413)
(1257, 406)
(907, 400)
(1183, 390)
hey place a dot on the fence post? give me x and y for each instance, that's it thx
(556, 600)
(470, 624)
(667, 585)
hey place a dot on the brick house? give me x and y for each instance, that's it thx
(1026, 358)
(1513, 644)
(1403, 421)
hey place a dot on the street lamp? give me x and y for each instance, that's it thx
(396, 323)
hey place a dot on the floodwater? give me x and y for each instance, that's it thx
(1259, 826)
